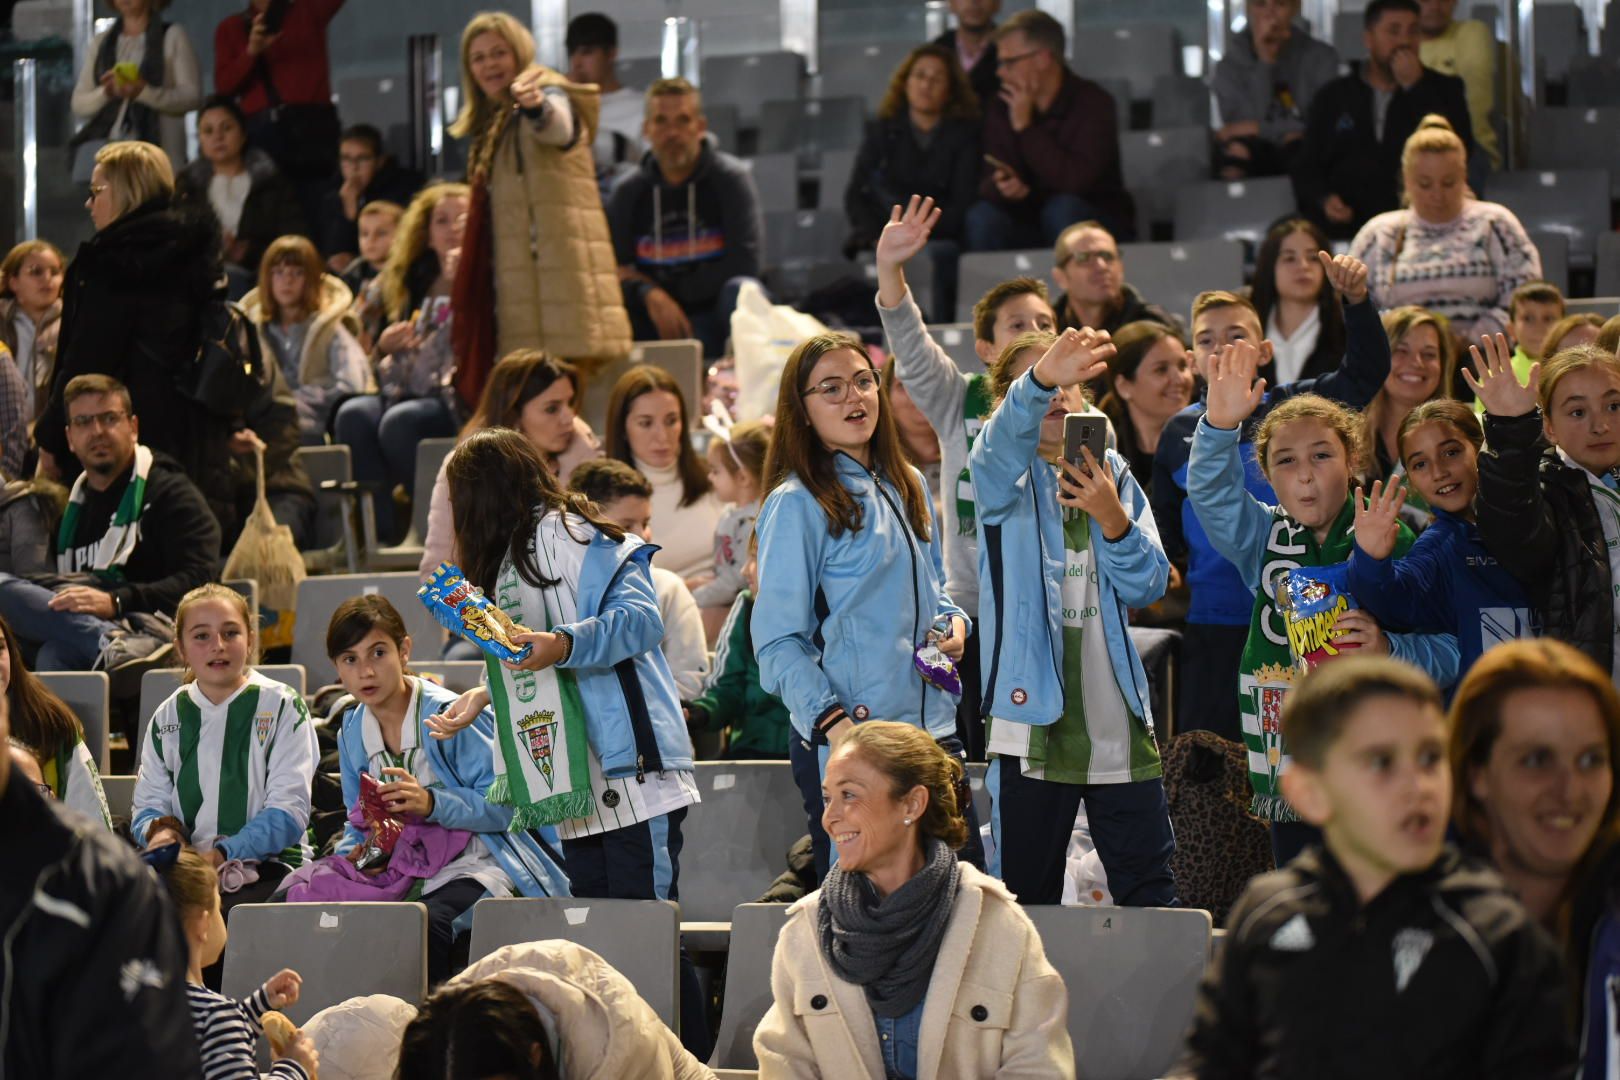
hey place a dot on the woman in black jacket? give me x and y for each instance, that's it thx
(925, 142)
(253, 201)
(130, 307)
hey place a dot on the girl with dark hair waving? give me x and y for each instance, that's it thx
(851, 581)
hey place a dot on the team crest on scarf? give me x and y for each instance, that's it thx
(262, 723)
(538, 729)
(1270, 694)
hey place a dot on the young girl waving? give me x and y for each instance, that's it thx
(1551, 513)
(1307, 447)
(1448, 582)
(851, 583)
(460, 850)
(231, 754)
(1065, 690)
(619, 754)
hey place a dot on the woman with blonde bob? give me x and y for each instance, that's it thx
(1535, 729)
(539, 271)
(902, 939)
(1446, 250)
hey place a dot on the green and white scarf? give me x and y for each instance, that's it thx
(975, 404)
(113, 549)
(543, 768)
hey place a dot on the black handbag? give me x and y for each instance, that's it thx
(227, 376)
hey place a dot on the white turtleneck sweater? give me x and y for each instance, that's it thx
(685, 534)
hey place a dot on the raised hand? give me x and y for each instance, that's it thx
(1345, 273)
(1378, 522)
(1076, 356)
(907, 231)
(1497, 387)
(1234, 392)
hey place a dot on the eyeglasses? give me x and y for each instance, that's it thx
(356, 159)
(86, 421)
(287, 270)
(1009, 61)
(97, 189)
(36, 270)
(835, 391)
(1086, 258)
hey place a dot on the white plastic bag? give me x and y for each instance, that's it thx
(762, 336)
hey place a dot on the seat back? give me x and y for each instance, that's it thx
(1170, 275)
(737, 839)
(1138, 52)
(722, 121)
(1576, 138)
(812, 125)
(641, 71)
(457, 675)
(804, 236)
(430, 454)
(1554, 248)
(1157, 162)
(339, 950)
(1608, 265)
(640, 938)
(683, 359)
(1181, 101)
(1559, 34)
(324, 463)
(1574, 202)
(318, 597)
(861, 70)
(1348, 37)
(1596, 82)
(159, 683)
(957, 341)
(120, 793)
(833, 178)
(88, 694)
(1132, 1023)
(754, 930)
(1235, 210)
(776, 178)
(748, 80)
(979, 270)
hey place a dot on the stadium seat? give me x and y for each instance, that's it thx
(339, 950)
(682, 358)
(811, 126)
(754, 929)
(776, 178)
(407, 554)
(957, 341)
(457, 675)
(1120, 91)
(1347, 35)
(1604, 307)
(318, 597)
(1170, 275)
(1554, 248)
(1132, 1023)
(748, 80)
(723, 124)
(979, 270)
(120, 792)
(836, 165)
(1576, 138)
(158, 684)
(1239, 210)
(1181, 101)
(1560, 39)
(1155, 163)
(1160, 651)
(860, 71)
(1573, 202)
(330, 467)
(1491, 16)
(641, 71)
(1138, 52)
(641, 938)
(88, 694)
(1596, 82)
(803, 236)
(1608, 265)
(981, 794)
(735, 842)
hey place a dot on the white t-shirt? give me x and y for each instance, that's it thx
(228, 195)
(1290, 353)
(618, 147)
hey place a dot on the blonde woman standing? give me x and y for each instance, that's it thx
(539, 270)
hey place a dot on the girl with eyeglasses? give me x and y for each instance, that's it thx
(851, 580)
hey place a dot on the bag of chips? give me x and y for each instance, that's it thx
(1311, 599)
(383, 829)
(461, 608)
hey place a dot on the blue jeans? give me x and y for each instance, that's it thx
(383, 441)
(67, 641)
(711, 324)
(1000, 227)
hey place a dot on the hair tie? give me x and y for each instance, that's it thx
(719, 422)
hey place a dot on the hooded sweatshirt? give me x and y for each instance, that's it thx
(1277, 95)
(691, 238)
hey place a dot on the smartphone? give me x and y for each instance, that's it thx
(1088, 430)
(999, 165)
(275, 15)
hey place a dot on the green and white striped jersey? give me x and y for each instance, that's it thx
(238, 773)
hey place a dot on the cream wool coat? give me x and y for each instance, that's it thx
(995, 1006)
(556, 280)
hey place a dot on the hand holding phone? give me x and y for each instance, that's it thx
(1086, 430)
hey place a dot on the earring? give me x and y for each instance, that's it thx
(908, 821)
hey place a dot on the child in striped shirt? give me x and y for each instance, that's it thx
(227, 1030)
(231, 754)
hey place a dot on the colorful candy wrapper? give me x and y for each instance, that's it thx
(933, 665)
(461, 608)
(383, 829)
(1311, 599)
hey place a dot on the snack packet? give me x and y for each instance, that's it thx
(383, 829)
(461, 608)
(1311, 599)
(933, 665)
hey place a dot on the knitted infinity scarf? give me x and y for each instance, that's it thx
(888, 946)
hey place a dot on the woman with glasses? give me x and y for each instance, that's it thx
(852, 618)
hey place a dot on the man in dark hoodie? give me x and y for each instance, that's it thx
(1264, 86)
(686, 225)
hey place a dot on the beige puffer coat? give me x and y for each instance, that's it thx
(556, 281)
(336, 311)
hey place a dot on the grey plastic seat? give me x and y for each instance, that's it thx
(682, 358)
(158, 684)
(639, 71)
(979, 270)
(334, 534)
(340, 950)
(860, 71)
(1576, 138)
(836, 165)
(776, 178)
(1608, 264)
(1604, 307)
(723, 124)
(748, 80)
(1157, 162)
(1170, 275)
(120, 793)
(754, 930)
(1554, 248)
(803, 236)
(1348, 27)
(957, 341)
(1181, 101)
(318, 597)
(1236, 210)
(88, 694)
(640, 938)
(1138, 52)
(1596, 82)
(457, 675)
(735, 842)
(1120, 91)
(1560, 38)
(811, 126)
(1573, 202)
(1132, 976)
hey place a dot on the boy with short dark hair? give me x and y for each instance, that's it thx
(1382, 953)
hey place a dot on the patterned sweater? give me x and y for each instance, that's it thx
(1465, 270)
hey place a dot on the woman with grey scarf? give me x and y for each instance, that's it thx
(906, 964)
(140, 79)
